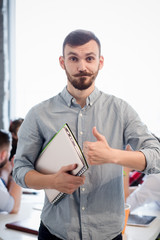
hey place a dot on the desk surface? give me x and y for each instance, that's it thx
(149, 232)
(30, 203)
(30, 207)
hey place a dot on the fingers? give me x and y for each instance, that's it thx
(79, 180)
(69, 168)
(66, 182)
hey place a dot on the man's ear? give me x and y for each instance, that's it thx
(101, 62)
(3, 155)
(61, 61)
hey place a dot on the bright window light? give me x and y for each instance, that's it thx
(130, 37)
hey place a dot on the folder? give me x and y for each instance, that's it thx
(62, 150)
(28, 225)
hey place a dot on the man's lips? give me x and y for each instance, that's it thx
(82, 75)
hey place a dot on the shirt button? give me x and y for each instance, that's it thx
(80, 114)
(83, 189)
(83, 208)
(81, 132)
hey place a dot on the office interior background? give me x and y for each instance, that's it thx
(31, 38)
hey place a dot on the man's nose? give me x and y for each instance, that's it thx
(81, 66)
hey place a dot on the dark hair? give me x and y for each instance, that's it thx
(5, 138)
(80, 37)
(15, 124)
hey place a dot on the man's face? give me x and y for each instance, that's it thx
(82, 64)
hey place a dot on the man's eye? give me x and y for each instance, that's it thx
(73, 59)
(90, 59)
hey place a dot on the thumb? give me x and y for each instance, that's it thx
(69, 168)
(96, 134)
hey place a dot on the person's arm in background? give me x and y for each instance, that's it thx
(15, 191)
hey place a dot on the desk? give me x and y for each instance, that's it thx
(147, 233)
(28, 203)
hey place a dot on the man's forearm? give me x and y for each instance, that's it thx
(100, 152)
(131, 159)
(36, 180)
(62, 180)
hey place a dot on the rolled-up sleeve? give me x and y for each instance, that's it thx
(141, 139)
(29, 146)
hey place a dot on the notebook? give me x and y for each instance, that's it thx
(62, 150)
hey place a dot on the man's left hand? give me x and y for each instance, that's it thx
(97, 152)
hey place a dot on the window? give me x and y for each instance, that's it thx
(129, 34)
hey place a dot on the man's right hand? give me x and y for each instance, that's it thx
(62, 181)
(66, 182)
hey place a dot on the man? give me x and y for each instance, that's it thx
(10, 192)
(94, 206)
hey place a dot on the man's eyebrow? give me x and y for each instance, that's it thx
(87, 54)
(72, 53)
(91, 53)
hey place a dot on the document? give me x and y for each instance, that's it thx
(62, 150)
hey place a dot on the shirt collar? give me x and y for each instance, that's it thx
(69, 99)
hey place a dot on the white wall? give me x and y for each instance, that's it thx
(130, 35)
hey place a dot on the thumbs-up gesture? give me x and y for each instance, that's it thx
(97, 152)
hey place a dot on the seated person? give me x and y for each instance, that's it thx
(10, 192)
(146, 192)
(13, 128)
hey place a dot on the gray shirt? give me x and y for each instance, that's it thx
(96, 209)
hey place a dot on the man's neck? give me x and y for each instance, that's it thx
(80, 95)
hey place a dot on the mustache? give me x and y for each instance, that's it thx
(82, 74)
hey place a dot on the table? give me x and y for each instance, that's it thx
(30, 205)
(149, 232)
(31, 202)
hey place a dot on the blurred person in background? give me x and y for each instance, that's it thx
(13, 128)
(146, 192)
(10, 192)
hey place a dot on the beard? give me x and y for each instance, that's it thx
(82, 80)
